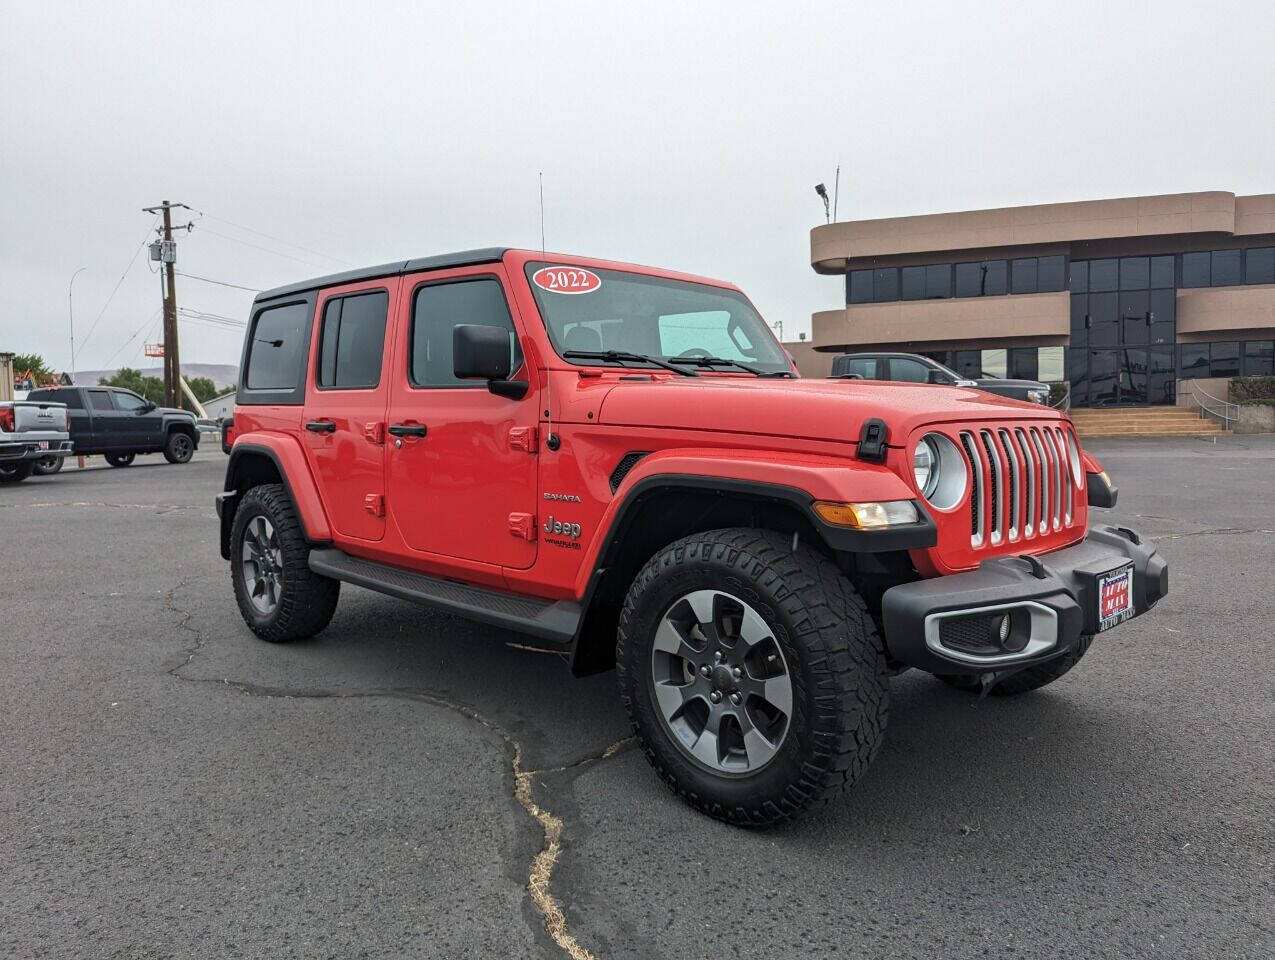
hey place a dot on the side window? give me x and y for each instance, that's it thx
(129, 403)
(71, 398)
(437, 308)
(352, 341)
(865, 367)
(278, 343)
(909, 370)
(100, 400)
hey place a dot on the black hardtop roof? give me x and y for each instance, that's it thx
(462, 258)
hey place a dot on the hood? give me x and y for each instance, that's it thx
(173, 412)
(809, 409)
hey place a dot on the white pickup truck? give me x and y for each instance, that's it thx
(31, 431)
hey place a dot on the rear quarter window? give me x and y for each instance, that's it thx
(275, 353)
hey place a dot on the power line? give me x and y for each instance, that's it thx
(297, 246)
(213, 317)
(220, 283)
(118, 283)
(135, 335)
(257, 246)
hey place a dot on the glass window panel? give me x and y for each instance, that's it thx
(1161, 377)
(1224, 359)
(100, 400)
(1195, 269)
(1049, 274)
(129, 402)
(1259, 358)
(1135, 316)
(909, 371)
(1023, 276)
(1079, 320)
(1104, 319)
(275, 356)
(994, 363)
(1078, 376)
(1195, 360)
(1103, 275)
(1162, 306)
(352, 341)
(860, 287)
(1133, 375)
(968, 363)
(938, 281)
(995, 278)
(1103, 377)
(1135, 273)
(1259, 265)
(865, 367)
(1079, 282)
(1226, 268)
(438, 309)
(969, 279)
(913, 283)
(1161, 272)
(1023, 363)
(1049, 364)
(885, 284)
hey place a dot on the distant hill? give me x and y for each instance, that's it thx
(222, 374)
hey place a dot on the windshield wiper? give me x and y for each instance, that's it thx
(710, 362)
(623, 356)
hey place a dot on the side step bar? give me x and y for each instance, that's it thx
(555, 622)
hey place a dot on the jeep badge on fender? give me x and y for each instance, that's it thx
(752, 571)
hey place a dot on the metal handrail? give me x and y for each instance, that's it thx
(1065, 403)
(1225, 416)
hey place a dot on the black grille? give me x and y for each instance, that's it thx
(970, 634)
(975, 485)
(627, 463)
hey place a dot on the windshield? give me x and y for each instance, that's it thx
(654, 316)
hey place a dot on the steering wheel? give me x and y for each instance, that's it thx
(694, 352)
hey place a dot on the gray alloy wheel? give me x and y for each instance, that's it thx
(262, 565)
(721, 683)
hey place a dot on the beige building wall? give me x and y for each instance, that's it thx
(1215, 313)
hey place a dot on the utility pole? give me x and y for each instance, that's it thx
(165, 250)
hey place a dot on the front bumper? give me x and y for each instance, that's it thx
(28, 449)
(1052, 600)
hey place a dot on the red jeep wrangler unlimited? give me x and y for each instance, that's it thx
(622, 461)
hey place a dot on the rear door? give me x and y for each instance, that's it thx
(346, 393)
(106, 434)
(461, 467)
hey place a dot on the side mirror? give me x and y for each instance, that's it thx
(481, 352)
(148, 407)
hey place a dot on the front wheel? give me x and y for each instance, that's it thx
(752, 674)
(179, 447)
(16, 471)
(279, 597)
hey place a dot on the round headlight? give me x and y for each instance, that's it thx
(925, 467)
(939, 470)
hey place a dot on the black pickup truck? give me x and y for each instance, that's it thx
(118, 424)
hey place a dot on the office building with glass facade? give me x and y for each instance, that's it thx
(1121, 298)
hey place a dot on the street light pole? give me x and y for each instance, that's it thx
(70, 309)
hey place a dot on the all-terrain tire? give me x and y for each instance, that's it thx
(306, 600)
(47, 466)
(119, 459)
(835, 659)
(179, 447)
(16, 471)
(1033, 678)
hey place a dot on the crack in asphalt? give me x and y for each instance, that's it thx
(540, 874)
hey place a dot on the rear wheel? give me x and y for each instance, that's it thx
(279, 597)
(16, 471)
(119, 459)
(47, 465)
(752, 674)
(179, 447)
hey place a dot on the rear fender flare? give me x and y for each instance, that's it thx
(294, 472)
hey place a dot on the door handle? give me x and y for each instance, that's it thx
(321, 426)
(407, 429)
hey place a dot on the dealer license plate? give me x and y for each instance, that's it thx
(1115, 597)
(43, 445)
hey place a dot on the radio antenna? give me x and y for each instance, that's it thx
(551, 441)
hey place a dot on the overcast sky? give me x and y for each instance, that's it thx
(687, 135)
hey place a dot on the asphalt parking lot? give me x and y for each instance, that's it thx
(172, 787)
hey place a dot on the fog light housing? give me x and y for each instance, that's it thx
(872, 515)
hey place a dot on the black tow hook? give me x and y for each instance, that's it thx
(1037, 568)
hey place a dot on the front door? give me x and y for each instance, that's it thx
(139, 423)
(347, 388)
(461, 461)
